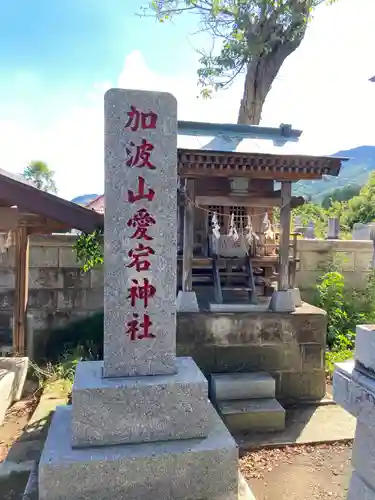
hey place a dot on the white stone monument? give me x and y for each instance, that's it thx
(354, 390)
(141, 425)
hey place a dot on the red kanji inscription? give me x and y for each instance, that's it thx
(141, 292)
(141, 220)
(139, 156)
(139, 257)
(139, 331)
(141, 195)
(140, 119)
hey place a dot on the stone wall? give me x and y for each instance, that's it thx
(60, 292)
(289, 346)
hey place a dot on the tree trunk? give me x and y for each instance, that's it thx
(260, 74)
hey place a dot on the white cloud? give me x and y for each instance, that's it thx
(322, 88)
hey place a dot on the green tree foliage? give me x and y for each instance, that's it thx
(252, 37)
(41, 176)
(346, 308)
(361, 208)
(89, 250)
(341, 194)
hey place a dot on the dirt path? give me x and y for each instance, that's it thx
(301, 473)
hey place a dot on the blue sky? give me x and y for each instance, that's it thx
(57, 59)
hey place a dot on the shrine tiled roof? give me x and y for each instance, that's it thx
(246, 150)
(232, 138)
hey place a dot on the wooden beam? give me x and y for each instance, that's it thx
(187, 277)
(8, 219)
(285, 211)
(194, 172)
(21, 290)
(32, 200)
(246, 201)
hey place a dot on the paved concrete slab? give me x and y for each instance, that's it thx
(307, 425)
(230, 386)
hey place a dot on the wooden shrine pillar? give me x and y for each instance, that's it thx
(188, 243)
(285, 217)
(21, 237)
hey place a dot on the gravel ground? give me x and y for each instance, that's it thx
(299, 473)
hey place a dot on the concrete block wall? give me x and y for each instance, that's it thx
(288, 346)
(59, 292)
(353, 256)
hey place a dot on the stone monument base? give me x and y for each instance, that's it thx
(283, 301)
(119, 410)
(184, 469)
(32, 490)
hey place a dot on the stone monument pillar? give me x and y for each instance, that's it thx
(354, 390)
(333, 232)
(141, 425)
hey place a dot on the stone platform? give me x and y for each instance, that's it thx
(32, 492)
(139, 409)
(184, 469)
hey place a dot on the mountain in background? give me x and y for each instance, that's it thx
(353, 172)
(84, 199)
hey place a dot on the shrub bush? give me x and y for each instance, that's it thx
(346, 308)
(85, 335)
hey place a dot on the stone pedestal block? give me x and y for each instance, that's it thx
(365, 346)
(355, 393)
(139, 409)
(282, 301)
(192, 469)
(359, 490)
(363, 455)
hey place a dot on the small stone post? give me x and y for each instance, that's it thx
(310, 231)
(333, 228)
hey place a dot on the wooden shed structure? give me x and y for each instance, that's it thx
(24, 211)
(239, 174)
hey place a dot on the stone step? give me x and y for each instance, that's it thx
(229, 386)
(262, 415)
